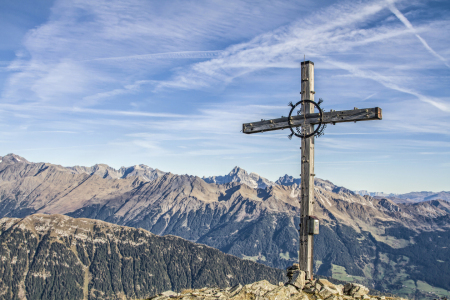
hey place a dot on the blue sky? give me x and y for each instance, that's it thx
(169, 84)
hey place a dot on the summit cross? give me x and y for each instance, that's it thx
(306, 121)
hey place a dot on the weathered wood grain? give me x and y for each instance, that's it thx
(307, 122)
(365, 114)
(306, 249)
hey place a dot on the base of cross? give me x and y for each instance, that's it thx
(295, 276)
(291, 271)
(324, 289)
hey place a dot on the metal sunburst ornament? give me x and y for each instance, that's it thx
(300, 130)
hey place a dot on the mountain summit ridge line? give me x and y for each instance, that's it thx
(237, 174)
(362, 238)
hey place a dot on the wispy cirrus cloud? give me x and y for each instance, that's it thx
(164, 55)
(37, 107)
(172, 82)
(87, 47)
(389, 82)
(338, 28)
(408, 24)
(340, 32)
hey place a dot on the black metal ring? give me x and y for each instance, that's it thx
(320, 122)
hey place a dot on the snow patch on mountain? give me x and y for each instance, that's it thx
(12, 158)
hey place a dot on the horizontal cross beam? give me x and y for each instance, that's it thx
(333, 117)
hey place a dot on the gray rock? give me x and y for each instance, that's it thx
(285, 292)
(355, 290)
(263, 290)
(340, 289)
(299, 282)
(260, 288)
(347, 287)
(326, 292)
(331, 287)
(168, 293)
(235, 289)
(310, 290)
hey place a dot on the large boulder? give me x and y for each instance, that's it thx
(299, 282)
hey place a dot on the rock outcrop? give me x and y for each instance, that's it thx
(264, 290)
(253, 180)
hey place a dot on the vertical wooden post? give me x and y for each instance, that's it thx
(307, 175)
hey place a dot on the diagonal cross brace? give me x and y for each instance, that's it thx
(353, 115)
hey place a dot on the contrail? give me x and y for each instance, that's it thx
(408, 25)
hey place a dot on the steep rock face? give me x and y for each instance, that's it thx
(361, 238)
(26, 188)
(388, 205)
(253, 180)
(288, 180)
(13, 159)
(58, 257)
(101, 170)
(228, 217)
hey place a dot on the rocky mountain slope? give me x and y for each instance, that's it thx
(144, 172)
(58, 257)
(379, 242)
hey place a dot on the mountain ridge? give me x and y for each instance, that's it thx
(362, 238)
(237, 174)
(100, 260)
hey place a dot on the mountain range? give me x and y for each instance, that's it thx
(58, 257)
(396, 247)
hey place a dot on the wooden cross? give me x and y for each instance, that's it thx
(307, 120)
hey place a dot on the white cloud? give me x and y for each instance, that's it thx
(335, 29)
(177, 79)
(164, 55)
(36, 107)
(87, 47)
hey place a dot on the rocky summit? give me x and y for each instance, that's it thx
(300, 289)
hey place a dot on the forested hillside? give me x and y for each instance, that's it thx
(58, 257)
